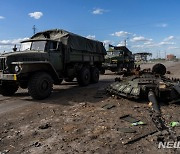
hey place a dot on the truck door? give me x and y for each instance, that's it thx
(55, 55)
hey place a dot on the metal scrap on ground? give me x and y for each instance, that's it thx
(155, 87)
(138, 86)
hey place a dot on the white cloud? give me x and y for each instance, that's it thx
(91, 37)
(98, 11)
(12, 42)
(7, 45)
(108, 42)
(140, 39)
(162, 25)
(121, 43)
(166, 43)
(148, 43)
(1, 17)
(169, 38)
(138, 46)
(121, 34)
(173, 48)
(36, 15)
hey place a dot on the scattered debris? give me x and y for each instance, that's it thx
(138, 123)
(126, 130)
(158, 120)
(5, 152)
(152, 86)
(129, 119)
(168, 72)
(45, 126)
(37, 144)
(138, 86)
(175, 124)
(108, 106)
(140, 137)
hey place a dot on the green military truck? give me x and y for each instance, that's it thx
(117, 59)
(47, 58)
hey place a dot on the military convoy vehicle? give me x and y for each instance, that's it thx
(117, 59)
(47, 58)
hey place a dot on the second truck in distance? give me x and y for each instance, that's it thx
(117, 59)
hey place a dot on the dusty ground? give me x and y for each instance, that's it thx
(72, 120)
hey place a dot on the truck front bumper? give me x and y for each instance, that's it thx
(109, 65)
(8, 77)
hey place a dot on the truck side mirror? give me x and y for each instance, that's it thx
(15, 48)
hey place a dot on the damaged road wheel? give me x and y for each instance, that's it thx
(40, 86)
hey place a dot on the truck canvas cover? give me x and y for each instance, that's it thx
(71, 40)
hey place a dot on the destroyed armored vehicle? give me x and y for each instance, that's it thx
(117, 59)
(138, 86)
(47, 58)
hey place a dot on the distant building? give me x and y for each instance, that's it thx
(171, 57)
(142, 56)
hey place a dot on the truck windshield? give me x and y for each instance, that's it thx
(35, 45)
(113, 53)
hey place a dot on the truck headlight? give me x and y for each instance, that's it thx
(17, 68)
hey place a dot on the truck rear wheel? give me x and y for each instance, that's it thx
(84, 76)
(94, 75)
(8, 89)
(40, 86)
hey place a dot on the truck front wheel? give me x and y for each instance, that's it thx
(94, 75)
(40, 86)
(8, 89)
(84, 76)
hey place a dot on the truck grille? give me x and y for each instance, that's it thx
(2, 63)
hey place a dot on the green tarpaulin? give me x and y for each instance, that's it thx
(71, 40)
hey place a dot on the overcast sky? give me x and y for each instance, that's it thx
(147, 25)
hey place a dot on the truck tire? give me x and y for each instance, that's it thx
(40, 86)
(8, 89)
(69, 79)
(84, 76)
(94, 75)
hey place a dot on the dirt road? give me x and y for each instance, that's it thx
(72, 120)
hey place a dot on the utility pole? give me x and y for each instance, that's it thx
(34, 29)
(125, 42)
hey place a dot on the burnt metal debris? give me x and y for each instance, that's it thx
(145, 82)
(154, 86)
